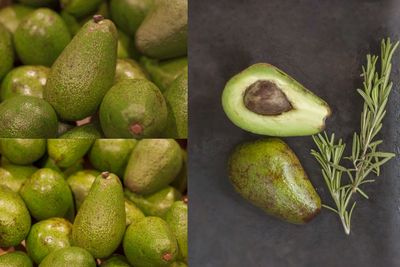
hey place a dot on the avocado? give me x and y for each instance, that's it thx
(22, 151)
(75, 167)
(47, 236)
(15, 220)
(11, 16)
(86, 131)
(6, 51)
(133, 213)
(177, 219)
(128, 69)
(64, 127)
(133, 108)
(39, 3)
(27, 117)
(123, 45)
(150, 242)
(262, 99)
(41, 37)
(129, 14)
(15, 259)
(13, 176)
(163, 33)
(47, 162)
(180, 182)
(46, 194)
(100, 223)
(116, 261)
(111, 154)
(67, 257)
(80, 8)
(268, 174)
(80, 184)
(164, 72)
(155, 204)
(176, 97)
(71, 22)
(85, 70)
(24, 80)
(153, 164)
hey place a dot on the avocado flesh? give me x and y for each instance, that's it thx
(303, 114)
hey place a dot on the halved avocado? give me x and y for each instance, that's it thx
(262, 99)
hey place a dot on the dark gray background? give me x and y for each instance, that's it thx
(322, 44)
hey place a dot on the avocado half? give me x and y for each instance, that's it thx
(262, 99)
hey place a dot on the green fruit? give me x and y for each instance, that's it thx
(80, 184)
(129, 14)
(64, 127)
(164, 73)
(23, 151)
(87, 131)
(27, 117)
(75, 167)
(269, 175)
(15, 259)
(11, 16)
(123, 45)
(156, 204)
(128, 69)
(67, 257)
(47, 236)
(264, 100)
(80, 8)
(100, 223)
(15, 220)
(133, 213)
(71, 22)
(150, 242)
(6, 51)
(180, 181)
(111, 154)
(41, 37)
(116, 261)
(133, 108)
(24, 80)
(84, 71)
(163, 33)
(13, 176)
(46, 194)
(153, 164)
(39, 3)
(48, 162)
(177, 219)
(176, 97)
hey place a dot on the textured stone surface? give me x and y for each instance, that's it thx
(322, 44)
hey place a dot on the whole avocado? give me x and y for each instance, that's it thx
(22, 151)
(68, 257)
(15, 259)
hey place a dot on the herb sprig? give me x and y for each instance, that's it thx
(365, 158)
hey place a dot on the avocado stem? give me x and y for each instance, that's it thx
(167, 256)
(136, 128)
(185, 199)
(105, 175)
(97, 18)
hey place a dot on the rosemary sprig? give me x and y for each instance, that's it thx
(365, 157)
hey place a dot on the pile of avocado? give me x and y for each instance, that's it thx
(117, 65)
(89, 202)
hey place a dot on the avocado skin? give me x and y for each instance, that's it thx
(15, 259)
(133, 101)
(163, 33)
(15, 219)
(13, 176)
(27, 117)
(67, 257)
(180, 182)
(65, 152)
(47, 236)
(133, 213)
(24, 80)
(116, 261)
(6, 51)
(148, 241)
(80, 8)
(41, 37)
(128, 69)
(22, 151)
(80, 184)
(100, 223)
(153, 164)
(11, 16)
(83, 73)
(177, 219)
(268, 174)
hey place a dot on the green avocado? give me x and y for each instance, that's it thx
(84, 71)
(27, 117)
(128, 69)
(11, 16)
(262, 99)
(15, 220)
(41, 37)
(80, 184)
(133, 108)
(15, 259)
(123, 45)
(116, 261)
(71, 22)
(6, 51)
(177, 219)
(80, 8)
(47, 194)
(39, 3)
(180, 182)
(64, 127)
(47, 236)
(68, 257)
(133, 213)
(22, 151)
(163, 33)
(153, 164)
(268, 174)
(24, 80)
(75, 167)
(13, 176)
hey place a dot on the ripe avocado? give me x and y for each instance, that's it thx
(6, 51)
(128, 69)
(15, 259)
(80, 8)
(177, 219)
(11, 16)
(268, 174)
(22, 151)
(80, 184)
(264, 100)
(68, 257)
(24, 80)
(13, 176)
(41, 37)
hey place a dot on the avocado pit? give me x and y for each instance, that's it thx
(266, 98)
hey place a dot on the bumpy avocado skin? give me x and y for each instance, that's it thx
(68, 257)
(133, 213)
(65, 152)
(268, 174)
(11, 16)
(84, 71)
(15, 259)
(22, 151)
(128, 69)
(6, 51)
(177, 219)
